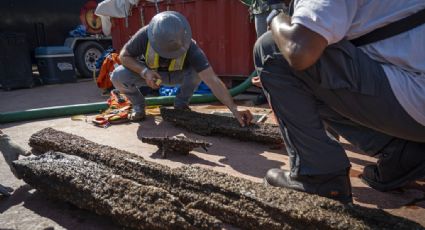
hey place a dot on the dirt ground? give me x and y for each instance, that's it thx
(29, 209)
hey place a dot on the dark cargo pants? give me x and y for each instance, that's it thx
(345, 90)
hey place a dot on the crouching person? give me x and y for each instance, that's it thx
(169, 56)
(371, 93)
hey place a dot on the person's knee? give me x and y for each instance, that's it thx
(263, 47)
(117, 74)
(267, 56)
(121, 74)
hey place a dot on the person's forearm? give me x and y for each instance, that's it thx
(218, 88)
(131, 63)
(223, 95)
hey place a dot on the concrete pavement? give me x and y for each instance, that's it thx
(29, 209)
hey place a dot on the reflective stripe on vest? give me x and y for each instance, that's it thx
(152, 60)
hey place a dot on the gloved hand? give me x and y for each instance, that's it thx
(11, 151)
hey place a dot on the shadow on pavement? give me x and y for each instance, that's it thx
(244, 157)
(185, 159)
(63, 213)
(389, 200)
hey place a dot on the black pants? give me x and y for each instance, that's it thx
(345, 89)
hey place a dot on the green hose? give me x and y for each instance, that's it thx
(247, 2)
(69, 110)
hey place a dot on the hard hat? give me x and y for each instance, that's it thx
(169, 34)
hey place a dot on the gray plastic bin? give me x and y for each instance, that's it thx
(56, 64)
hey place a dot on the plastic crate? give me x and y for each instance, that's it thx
(55, 64)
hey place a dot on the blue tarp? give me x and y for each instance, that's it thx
(79, 31)
(172, 90)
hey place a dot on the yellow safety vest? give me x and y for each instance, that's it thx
(152, 60)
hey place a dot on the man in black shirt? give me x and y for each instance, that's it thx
(170, 56)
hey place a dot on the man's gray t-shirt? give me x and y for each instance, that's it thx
(402, 56)
(195, 57)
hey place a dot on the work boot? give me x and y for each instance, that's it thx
(336, 185)
(399, 163)
(136, 116)
(137, 113)
(182, 107)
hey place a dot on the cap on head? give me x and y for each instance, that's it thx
(169, 34)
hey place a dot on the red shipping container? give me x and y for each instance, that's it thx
(221, 28)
